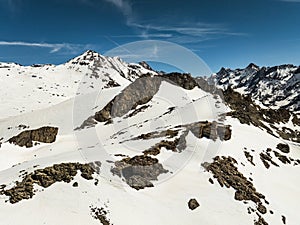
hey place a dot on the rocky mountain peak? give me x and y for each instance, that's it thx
(253, 66)
(145, 65)
(88, 57)
(275, 87)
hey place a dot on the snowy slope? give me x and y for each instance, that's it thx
(166, 116)
(28, 88)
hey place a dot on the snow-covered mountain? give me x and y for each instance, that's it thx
(41, 86)
(275, 87)
(100, 141)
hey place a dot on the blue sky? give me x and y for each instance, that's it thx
(229, 33)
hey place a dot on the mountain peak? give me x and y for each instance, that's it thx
(145, 65)
(252, 66)
(90, 55)
(87, 58)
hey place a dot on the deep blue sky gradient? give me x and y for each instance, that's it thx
(229, 33)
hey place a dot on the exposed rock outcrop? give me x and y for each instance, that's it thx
(140, 92)
(138, 171)
(227, 174)
(137, 93)
(183, 80)
(101, 215)
(247, 112)
(210, 130)
(283, 147)
(268, 156)
(43, 134)
(64, 172)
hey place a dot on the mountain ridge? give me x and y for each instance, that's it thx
(275, 87)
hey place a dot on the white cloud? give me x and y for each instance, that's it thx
(185, 32)
(53, 47)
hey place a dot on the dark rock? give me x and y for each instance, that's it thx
(261, 208)
(282, 158)
(64, 172)
(140, 92)
(145, 65)
(75, 184)
(43, 134)
(283, 147)
(101, 215)
(247, 112)
(249, 157)
(185, 81)
(137, 182)
(227, 175)
(169, 145)
(111, 83)
(267, 159)
(136, 111)
(260, 221)
(207, 86)
(210, 130)
(138, 171)
(193, 204)
(104, 114)
(283, 219)
(137, 93)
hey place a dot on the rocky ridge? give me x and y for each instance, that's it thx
(276, 87)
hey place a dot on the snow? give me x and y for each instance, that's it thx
(164, 204)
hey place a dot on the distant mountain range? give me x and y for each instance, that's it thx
(275, 87)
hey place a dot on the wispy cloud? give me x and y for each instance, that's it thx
(179, 32)
(72, 48)
(174, 31)
(144, 35)
(185, 32)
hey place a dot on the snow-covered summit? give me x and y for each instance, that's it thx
(41, 86)
(90, 57)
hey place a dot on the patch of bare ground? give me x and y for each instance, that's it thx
(64, 172)
(247, 112)
(267, 157)
(138, 171)
(26, 138)
(101, 215)
(227, 175)
(210, 130)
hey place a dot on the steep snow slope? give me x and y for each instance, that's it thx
(174, 125)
